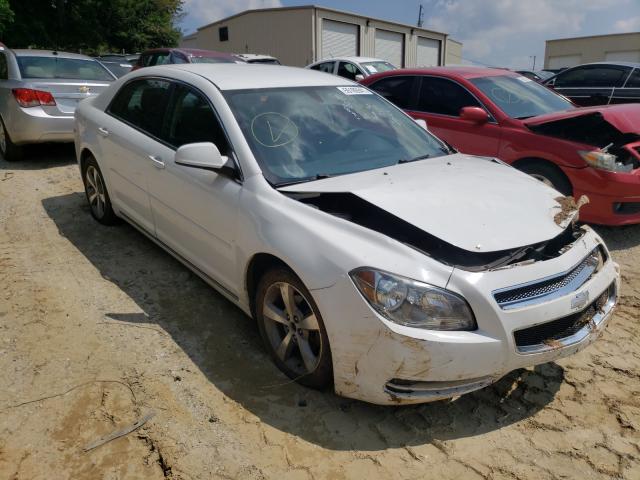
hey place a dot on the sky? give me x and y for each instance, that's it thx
(505, 33)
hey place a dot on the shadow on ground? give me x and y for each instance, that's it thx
(619, 238)
(41, 156)
(224, 344)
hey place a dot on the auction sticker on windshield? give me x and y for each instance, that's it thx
(354, 91)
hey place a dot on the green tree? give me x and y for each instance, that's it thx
(94, 26)
(6, 15)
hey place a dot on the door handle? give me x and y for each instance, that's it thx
(157, 161)
(103, 131)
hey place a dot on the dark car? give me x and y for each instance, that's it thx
(163, 56)
(600, 83)
(537, 75)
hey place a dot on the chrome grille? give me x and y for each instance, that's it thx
(557, 285)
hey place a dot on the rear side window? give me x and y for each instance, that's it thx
(348, 70)
(600, 76)
(66, 68)
(4, 73)
(191, 119)
(634, 79)
(142, 104)
(396, 89)
(326, 67)
(442, 96)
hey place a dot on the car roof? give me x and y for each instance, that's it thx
(254, 56)
(350, 59)
(196, 52)
(235, 76)
(48, 53)
(619, 64)
(458, 71)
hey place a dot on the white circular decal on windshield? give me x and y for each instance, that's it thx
(272, 129)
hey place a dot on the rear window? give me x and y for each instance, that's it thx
(195, 59)
(67, 68)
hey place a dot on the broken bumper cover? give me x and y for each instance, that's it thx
(381, 362)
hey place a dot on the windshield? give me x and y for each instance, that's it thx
(211, 60)
(305, 133)
(67, 68)
(520, 97)
(377, 67)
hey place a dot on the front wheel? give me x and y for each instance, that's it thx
(96, 193)
(292, 329)
(549, 175)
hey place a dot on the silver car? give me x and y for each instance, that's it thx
(39, 92)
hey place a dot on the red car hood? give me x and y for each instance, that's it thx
(624, 117)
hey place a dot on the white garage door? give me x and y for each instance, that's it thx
(390, 47)
(564, 61)
(339, 39)
(623, 56)
(428, 52)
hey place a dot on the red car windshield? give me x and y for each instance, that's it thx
(521, 97)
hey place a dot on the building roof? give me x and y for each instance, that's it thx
(239, 76)
(317, 7)
(592, 36)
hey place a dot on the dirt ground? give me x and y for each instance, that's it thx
(99, 327)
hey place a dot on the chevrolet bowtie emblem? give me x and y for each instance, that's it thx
(83, 89)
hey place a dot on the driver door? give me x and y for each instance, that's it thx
(195, 210)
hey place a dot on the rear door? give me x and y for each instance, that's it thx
(590, 85)
(439, 102)
(128, 137)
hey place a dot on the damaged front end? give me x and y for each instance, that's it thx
(617, 151)
(352, 208)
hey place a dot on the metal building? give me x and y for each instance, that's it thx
(301, 35)
(569, 52)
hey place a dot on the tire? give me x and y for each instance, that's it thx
(96, 192)
(306, 358)
(10, 151)
(548, 174)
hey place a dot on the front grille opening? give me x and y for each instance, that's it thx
(549, 332)
(626, 208)
(539, 290)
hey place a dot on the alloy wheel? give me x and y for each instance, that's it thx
(95, 191)
(292, 328)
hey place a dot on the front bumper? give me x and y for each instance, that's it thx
(34, 125)
(614, 198)
(384, 363)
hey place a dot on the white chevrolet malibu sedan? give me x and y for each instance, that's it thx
(373, 258)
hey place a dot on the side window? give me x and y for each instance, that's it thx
(634, 79)
(142, 103)
(4, 73)
(178, 58)
(160, 59)
(145, 60)
(191, 119)
(396, 89)
(604, 76)
(439, 95)
(326, 67)
(348, 70)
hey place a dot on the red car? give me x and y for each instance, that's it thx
(162, 56)
(483, 111)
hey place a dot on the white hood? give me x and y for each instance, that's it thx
(473, 203)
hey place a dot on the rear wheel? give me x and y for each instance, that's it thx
(549, 175)
(96, 193)
(10, 151)
(292, 329)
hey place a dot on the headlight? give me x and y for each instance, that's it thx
(411, 303)
(604, 161)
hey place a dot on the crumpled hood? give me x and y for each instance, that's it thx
(474, 203)
(624, 117)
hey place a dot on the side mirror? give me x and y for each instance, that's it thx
(474, 114)
(422, 122)
(204, 155)
(359, 77)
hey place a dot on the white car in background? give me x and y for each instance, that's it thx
(258, 58)
(352, 68)
(372, 258)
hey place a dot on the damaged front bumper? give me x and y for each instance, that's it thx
(381, 362)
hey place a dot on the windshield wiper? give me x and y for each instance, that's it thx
(317, 176)
(415, 159)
